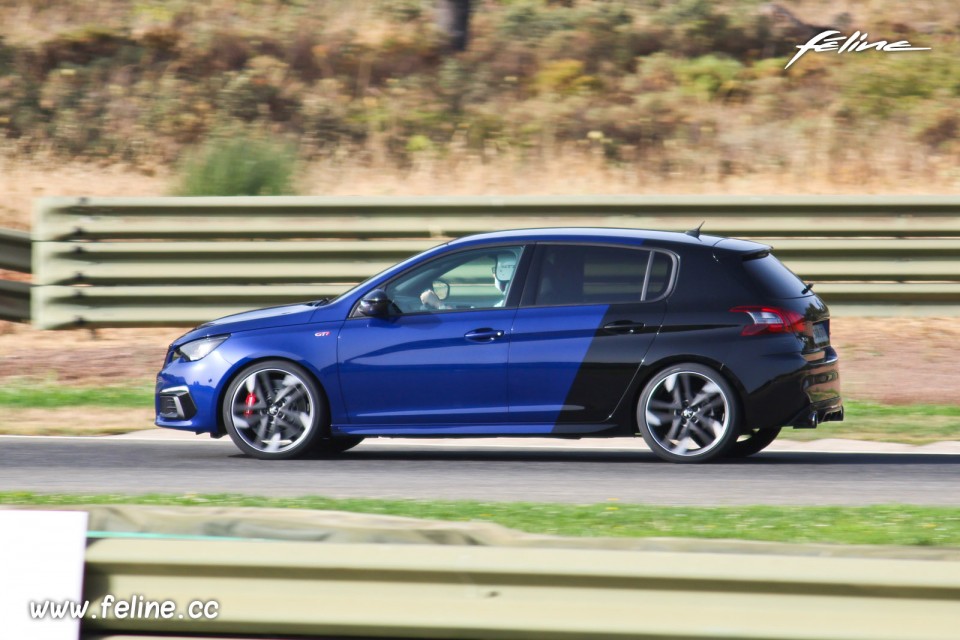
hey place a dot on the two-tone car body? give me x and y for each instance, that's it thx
(704, 346)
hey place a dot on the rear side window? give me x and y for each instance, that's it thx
(774, 277)
(584, 274)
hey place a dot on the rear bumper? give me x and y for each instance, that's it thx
(800, 393)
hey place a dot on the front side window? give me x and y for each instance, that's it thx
(587, 274)
(473, 279)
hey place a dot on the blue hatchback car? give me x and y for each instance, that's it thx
(704, 346)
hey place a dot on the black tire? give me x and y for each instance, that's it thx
(688, 413)
(335, 446)
(274, 410)
(752, 441)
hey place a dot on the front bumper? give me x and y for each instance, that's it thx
(188, 393)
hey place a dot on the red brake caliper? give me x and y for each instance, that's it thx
(249, 402)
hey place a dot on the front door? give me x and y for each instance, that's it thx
(438, 361)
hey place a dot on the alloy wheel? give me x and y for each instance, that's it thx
(273, 411)
(687, 414)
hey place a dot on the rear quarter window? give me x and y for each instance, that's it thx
(661, 271)
(774, 278)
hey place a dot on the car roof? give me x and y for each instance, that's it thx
(601, 234)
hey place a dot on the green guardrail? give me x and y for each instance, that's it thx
(284, 573)
(423, 591)
(181, 261)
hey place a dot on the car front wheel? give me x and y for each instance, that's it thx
(688, 413)
(273, 410)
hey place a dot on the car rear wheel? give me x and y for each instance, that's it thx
(688, 413)
(752, 441)
(273, 410)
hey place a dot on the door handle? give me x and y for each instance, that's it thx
(483, 335)
(623, 326)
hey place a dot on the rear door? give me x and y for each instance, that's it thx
(588, 315)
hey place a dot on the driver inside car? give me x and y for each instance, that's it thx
(503, 270)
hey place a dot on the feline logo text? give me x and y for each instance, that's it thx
(827, 41)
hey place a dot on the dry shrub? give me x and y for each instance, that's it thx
(664, 89)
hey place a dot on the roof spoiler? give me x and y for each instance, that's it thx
(747, 249)
(756, 255)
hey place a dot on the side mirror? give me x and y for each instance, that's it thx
(375, 303)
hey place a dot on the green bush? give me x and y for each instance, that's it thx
(239, 166)
(696, 24)
(888, 86)
(564, 77)
(709, 76)
(531, 20)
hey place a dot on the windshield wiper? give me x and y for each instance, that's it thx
(320, 302)
(809, 287)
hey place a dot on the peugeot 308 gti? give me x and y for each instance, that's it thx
(703, 346)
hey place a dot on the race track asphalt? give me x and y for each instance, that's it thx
(586, 471)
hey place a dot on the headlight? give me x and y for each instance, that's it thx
(193, 351)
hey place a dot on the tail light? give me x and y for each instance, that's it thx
(771, 320)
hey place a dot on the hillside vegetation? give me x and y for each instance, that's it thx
(691, 89)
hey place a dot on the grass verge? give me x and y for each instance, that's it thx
(884, 524)
(909, 424)
(55, 396)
